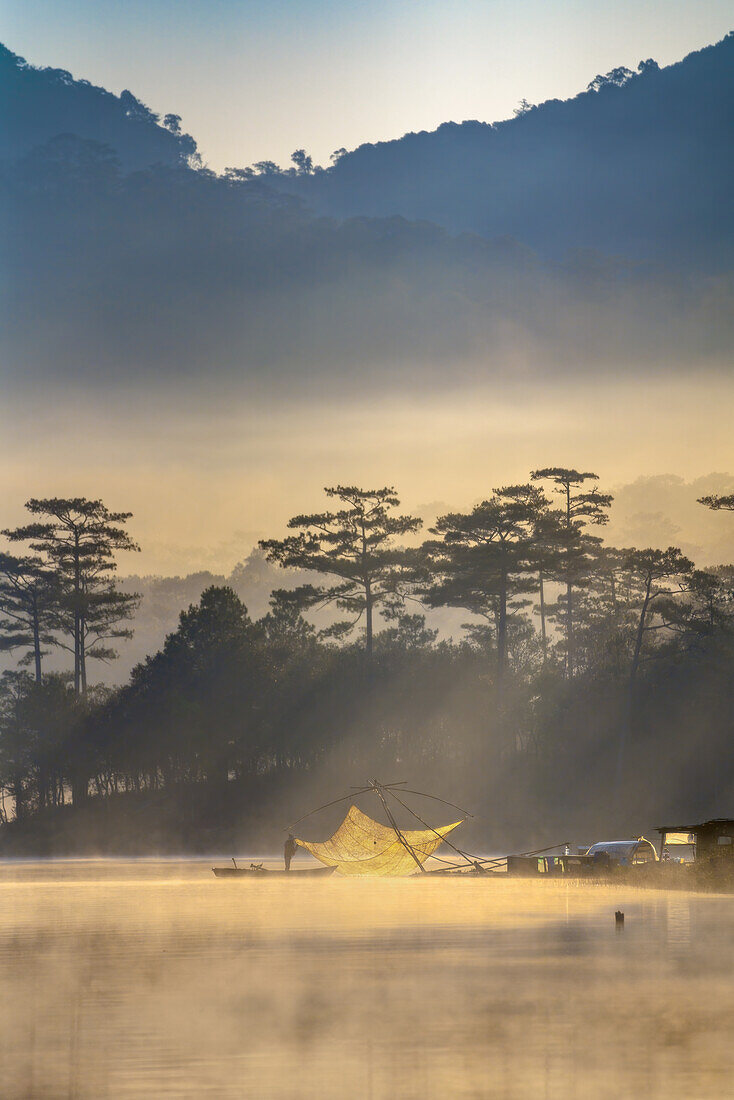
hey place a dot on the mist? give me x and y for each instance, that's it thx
(407, 476)
(207, 476)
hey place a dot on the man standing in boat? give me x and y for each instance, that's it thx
(289, 850)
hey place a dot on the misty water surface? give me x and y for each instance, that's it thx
(153, 979)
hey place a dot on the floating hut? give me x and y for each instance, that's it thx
(602, 856)
(712, 839)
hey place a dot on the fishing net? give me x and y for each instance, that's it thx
(361, 846)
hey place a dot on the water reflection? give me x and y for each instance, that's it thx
(678, 923)
(154, 979)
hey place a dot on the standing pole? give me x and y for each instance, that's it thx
(471, 861)
(378, 790)
(357, 790)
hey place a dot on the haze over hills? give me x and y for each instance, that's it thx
(241, 349)
(640, 164)
(113, 236)
(452, 314)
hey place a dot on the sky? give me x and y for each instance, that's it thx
(256, 79)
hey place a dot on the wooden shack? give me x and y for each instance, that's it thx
(712, 839)
(530, 866)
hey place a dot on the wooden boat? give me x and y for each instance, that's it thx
(257, 869)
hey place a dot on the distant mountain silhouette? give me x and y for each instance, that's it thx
(40, 104)
(172, 274)
(128, 263)
(641, 164)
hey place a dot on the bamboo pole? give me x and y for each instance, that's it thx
(376, 787)
(471, 861)
(325, 806)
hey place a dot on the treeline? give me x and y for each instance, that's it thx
(586, 677)
(110, 258)
(564, 174)
(61, 593)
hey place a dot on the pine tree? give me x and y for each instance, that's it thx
(77, 540)
(28, 608)
(356, 545)
(483, 562)
(579, 508)
(718, 503)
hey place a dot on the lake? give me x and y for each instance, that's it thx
(153, 979)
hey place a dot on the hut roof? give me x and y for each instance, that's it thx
(619, 849)
(713, 823)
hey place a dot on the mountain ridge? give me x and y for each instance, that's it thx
(144, 270)
(618, 167)
(43, 103)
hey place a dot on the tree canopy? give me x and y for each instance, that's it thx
(233, 712)
(356, 545)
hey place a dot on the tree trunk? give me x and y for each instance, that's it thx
(42, 788)
(502, 625)
(640, 632)
(628, 724)
(42, 782)
(79, 790)
(569, 629)
(543, 634)
(82, 657)
(18, 793)
(77, 617)
(569, 591)
(36, 642)
(368, 614)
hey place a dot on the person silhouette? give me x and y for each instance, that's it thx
(289, 850)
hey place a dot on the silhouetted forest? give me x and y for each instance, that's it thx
(40, 104)
(590, 688)
(640, 163)
(113, 229)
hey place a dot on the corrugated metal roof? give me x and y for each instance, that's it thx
(617, 848)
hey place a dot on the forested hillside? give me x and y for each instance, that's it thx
(40, 104)
(640, 164)
(585, 676)
(113, 259)
(589, 671)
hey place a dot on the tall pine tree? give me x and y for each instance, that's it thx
(580, 507)
(483, 562)
(77, 540)
(28, 608)
(355, 545)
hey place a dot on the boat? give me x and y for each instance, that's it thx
(257, 870)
